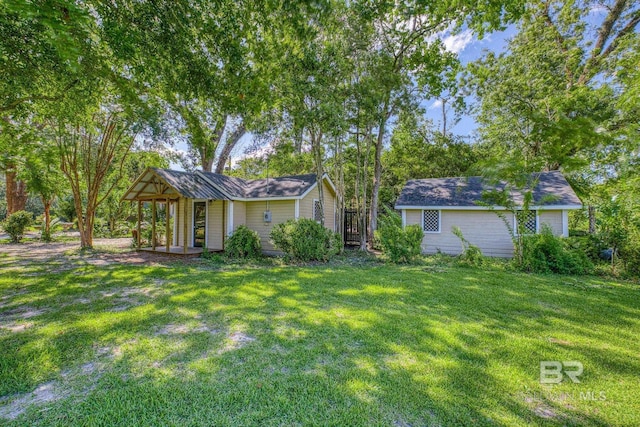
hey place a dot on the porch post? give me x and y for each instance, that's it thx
(167, 226)
(153, 225)
(139, 221)
(184, 222)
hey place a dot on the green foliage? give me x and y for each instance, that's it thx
(306, 240)
(243, 243)
(471, 254)
(400, 245)
(16, 224)
(419, 151)
(547, 253)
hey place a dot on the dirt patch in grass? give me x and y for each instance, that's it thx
(44, 393)
(106, 252)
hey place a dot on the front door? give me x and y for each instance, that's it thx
(199, 221)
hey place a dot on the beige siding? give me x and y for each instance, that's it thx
(306, 205)
(239, 214)
(281, 211)
(481, 228)
(553, 219)
(215, 225)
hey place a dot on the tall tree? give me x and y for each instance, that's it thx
(549, 101)
(91, 152)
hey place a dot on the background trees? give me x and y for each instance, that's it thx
(316, 86)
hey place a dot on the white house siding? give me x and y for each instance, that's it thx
(553, 219)
(239, 214)
(180, 222)
(481, 228)
(306, 205)
(215, 230)
(281, 210)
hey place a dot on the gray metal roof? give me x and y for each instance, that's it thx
(552, 189)
(284, 186)
(190, 185)
(213, 186)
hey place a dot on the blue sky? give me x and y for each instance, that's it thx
(469, 49)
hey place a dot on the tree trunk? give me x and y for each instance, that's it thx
(377, 175)
(47, 216)
(592, 219)
(16, 191)
(229, 145)
(316, 146)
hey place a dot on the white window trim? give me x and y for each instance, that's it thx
(404, 218)
(515, 223)
(229, 218)
(565, 223)
(193, 221)
(439, 221)
(296, 209)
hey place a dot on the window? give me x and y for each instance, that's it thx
(431, 221)
(528, 220)
(317, 210)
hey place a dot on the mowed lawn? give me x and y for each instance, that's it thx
(208, 344)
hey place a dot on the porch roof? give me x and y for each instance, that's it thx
(163, 183)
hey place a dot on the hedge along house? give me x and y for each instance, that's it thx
(206, 207)
(439, 204)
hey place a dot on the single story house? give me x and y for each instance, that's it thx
(439, 204)
(206, 207)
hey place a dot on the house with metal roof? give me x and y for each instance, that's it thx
(439, 204)
(202, 208)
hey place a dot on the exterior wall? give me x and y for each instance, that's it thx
(215, 230)
(281, 210)
(179, 221)
(481, 228)
(306, 205)
(239, 214)
(553, 219)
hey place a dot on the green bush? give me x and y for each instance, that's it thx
(547, 253)
(306, 240)
(401, 245)
(243, 243)
(16, 223)
(471, 254)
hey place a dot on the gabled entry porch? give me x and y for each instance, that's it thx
(186, 215)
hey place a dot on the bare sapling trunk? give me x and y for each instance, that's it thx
(46, 202)
(316, 145)
(377, 175)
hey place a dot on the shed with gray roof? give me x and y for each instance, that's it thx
(439, 204)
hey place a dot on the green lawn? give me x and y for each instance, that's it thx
(347, 345)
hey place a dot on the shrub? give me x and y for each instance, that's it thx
(306, 240)
(16, 223)
(547, 253)
(401, 245)
(243, 243)
(471, 254)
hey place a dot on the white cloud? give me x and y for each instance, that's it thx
(598, 9)
(456, 43)
(436, 104)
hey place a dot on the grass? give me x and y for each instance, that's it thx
(347, 344)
